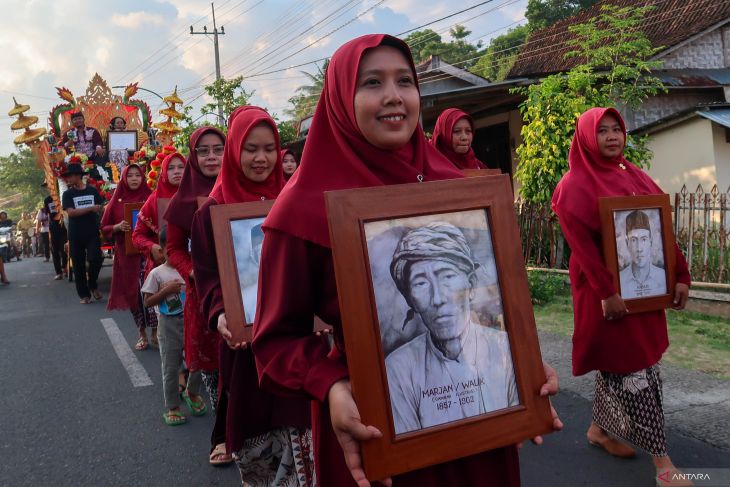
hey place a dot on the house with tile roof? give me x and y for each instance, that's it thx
(689, 126)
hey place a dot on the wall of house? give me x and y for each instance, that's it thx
(722, 158)
(684, 154)
(709, 51)
(661, 106)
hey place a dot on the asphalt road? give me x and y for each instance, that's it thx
(70, 415)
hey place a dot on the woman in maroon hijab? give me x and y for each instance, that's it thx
(365, 132)
(289, 163)
(128, 269)
(453, 135)
(623, 348)
(145, 234)
(269, 436)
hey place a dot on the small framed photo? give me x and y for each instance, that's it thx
(638, 247)
(238, 240)
(438, 325)
(124, 140)
(131, 212)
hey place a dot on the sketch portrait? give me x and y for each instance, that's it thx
(441, 318)
(248, 238)
(640, 253)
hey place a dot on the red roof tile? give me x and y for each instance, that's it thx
(670, 23)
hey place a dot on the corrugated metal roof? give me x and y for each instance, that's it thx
(718, 115)
(688, 78)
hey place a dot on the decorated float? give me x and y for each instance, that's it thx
(99, 106)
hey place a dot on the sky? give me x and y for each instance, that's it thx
(53, 43)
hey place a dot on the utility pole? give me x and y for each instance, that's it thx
(216, 32)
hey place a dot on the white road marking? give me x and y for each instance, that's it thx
(137, 373)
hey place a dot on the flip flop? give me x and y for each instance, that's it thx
(85, 301)
(219, 456)
(179, 418)
(196, 408)
(97, 295)
(155, 342)
(141, 344)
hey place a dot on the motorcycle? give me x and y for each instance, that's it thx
(7, 248)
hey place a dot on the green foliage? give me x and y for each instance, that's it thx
(615, 70)
(287, 131)
(307, 96)
(501, 54)
(426, 43)
(20, 175)
(545, 287)
(542, 13)
(230, 93)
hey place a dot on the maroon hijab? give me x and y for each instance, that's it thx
(232, 186)
(443, 139)
(592, 176)
(194, 184)
(114, 212)
(284, 152)
(337, 155)
(164, 189)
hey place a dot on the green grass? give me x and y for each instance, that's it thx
(697, 341)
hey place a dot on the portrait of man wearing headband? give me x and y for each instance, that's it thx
(458, 368)
(641, 278)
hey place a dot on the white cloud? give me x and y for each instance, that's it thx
(135, 20)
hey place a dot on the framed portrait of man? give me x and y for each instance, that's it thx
(238, 241)
(131, 212)
(439, 330)
(638, 245)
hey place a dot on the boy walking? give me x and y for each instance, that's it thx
(163, 289)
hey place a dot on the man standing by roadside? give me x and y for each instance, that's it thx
(83, 205)
(58, 236)
(41, 230)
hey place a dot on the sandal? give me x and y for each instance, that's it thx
(155, 342)
(197, 408)
(141, 344)
(97, 294)
(85, 300)
(174, 418)
(219, 456)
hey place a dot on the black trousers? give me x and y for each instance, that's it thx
(86, 248)
(45, 243)
(58, 240)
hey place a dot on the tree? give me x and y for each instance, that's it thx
(287, 131)
(615, 71)
(20, 175)
(230, 93)
(426, 43)
(501, 54)
(542, 13)
(306, 97)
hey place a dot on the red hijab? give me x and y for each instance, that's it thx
(337, 155)
(164, 189)
(284, 152)
(443, 139)
(185, 202)
(592, 176)
(232, 186)
(114, 212)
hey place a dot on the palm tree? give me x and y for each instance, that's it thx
(305, 100)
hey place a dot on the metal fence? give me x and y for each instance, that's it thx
(701, 226)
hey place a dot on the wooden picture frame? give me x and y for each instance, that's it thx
(232, 288)
(475, 173)
(131, 210)
(122, 140)
(646, 215)
(352, 215)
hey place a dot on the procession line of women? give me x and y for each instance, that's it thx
(283, 403)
